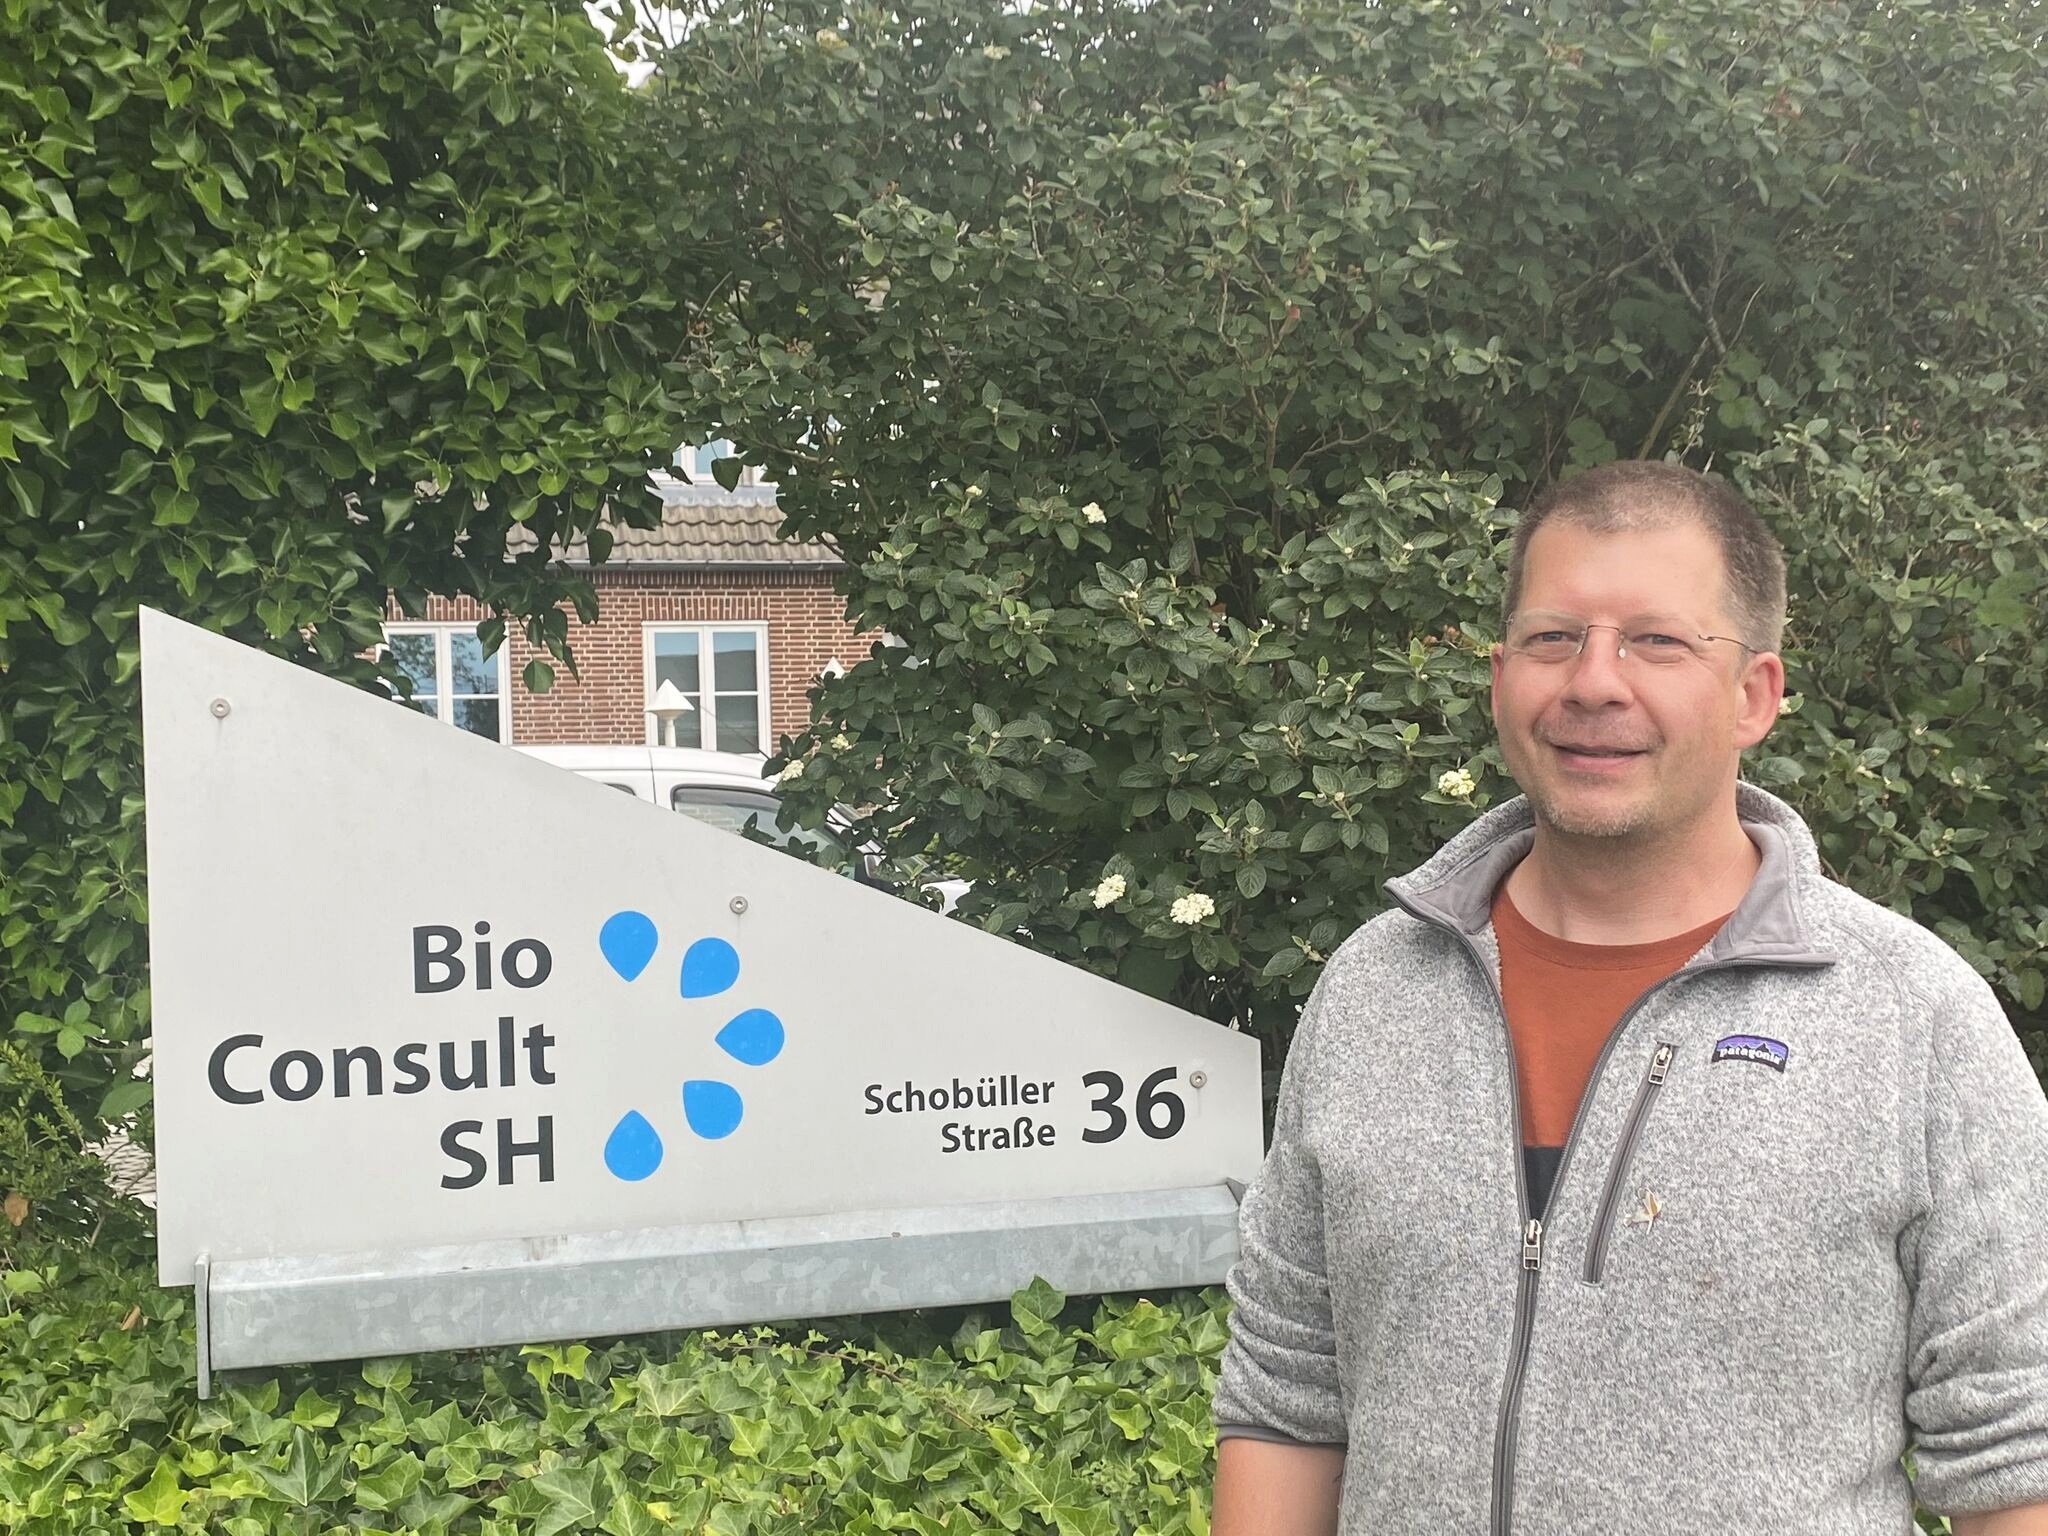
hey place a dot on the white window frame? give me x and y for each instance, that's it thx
(706, 679)
(684, 463)
(444, 673)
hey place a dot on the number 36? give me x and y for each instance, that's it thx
(1160, 1112)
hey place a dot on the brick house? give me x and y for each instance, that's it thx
(743, 622)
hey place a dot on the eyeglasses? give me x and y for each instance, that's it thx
(1546, 639)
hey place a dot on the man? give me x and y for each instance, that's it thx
(1629, 1174)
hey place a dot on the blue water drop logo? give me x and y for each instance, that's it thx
(709, 967)
(628, 940)
(712, 1108)
(753, 1037)
(633, 1150)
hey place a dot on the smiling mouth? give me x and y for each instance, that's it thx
(1587, 756)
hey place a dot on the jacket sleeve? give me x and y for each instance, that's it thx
(1976, 1258)
(1279, 1373)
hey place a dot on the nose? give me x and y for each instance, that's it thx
(1597, 674)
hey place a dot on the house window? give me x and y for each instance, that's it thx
(722, 669)
(452, 678)
(695, 462)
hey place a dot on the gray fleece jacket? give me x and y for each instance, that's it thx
(1800, 1226)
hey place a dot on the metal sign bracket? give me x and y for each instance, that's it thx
(351, 1306)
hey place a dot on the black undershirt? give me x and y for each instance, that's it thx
(1539, 1169)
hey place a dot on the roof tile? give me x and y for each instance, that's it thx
(706, 525)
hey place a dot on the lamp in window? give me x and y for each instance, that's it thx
(670, 705)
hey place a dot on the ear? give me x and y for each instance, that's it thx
(1493, 686)
(1760, 688)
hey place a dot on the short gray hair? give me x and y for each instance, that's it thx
(1638, 494)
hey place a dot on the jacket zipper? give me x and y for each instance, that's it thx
(1603, 1222)
(1508, 1425)
(1518, 1357)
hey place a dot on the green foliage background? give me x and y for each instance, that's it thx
(1168, 373)
(301, 302)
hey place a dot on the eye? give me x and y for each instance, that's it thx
(1660, 639)
(1553, 634)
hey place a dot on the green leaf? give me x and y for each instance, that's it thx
(263, 400)
(1034, 1308)
(1321, 835)
(160, 1501)
(143, 427)
(663, 1391)
(544, 1362)
(2005, 605)
(1285, 963)
(630, 1517)
(1007, 1445)
(390, 1484)
(391, 1374)
(123, 1099)
(2031, 988)
(307, 1477)
(571, 1499)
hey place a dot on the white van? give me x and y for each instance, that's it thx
(725, 789)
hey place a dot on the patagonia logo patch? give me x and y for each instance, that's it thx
(1757, 1048)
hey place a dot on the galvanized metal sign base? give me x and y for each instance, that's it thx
(588, 1285)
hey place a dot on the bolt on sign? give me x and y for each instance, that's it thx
(455, 1047)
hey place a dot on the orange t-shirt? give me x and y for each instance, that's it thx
(1563, 1000)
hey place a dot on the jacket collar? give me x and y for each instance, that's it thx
(1454, 887)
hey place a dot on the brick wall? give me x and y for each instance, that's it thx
(804, 618)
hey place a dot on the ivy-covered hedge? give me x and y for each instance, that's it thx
(1084, 1419)
(1090, 1421)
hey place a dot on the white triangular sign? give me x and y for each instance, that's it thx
(411, 988)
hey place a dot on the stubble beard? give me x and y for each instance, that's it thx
(1587, 821)
(1569, 815)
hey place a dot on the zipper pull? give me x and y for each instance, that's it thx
(1660, 1063)
(1532, 1245)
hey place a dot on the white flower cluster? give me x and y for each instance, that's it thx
(1192, 908)
(1788, 703)
(842, 742)
(1093, 513)
(794, 771)
(1458, 784)
(1110, 892)
(830, 40)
